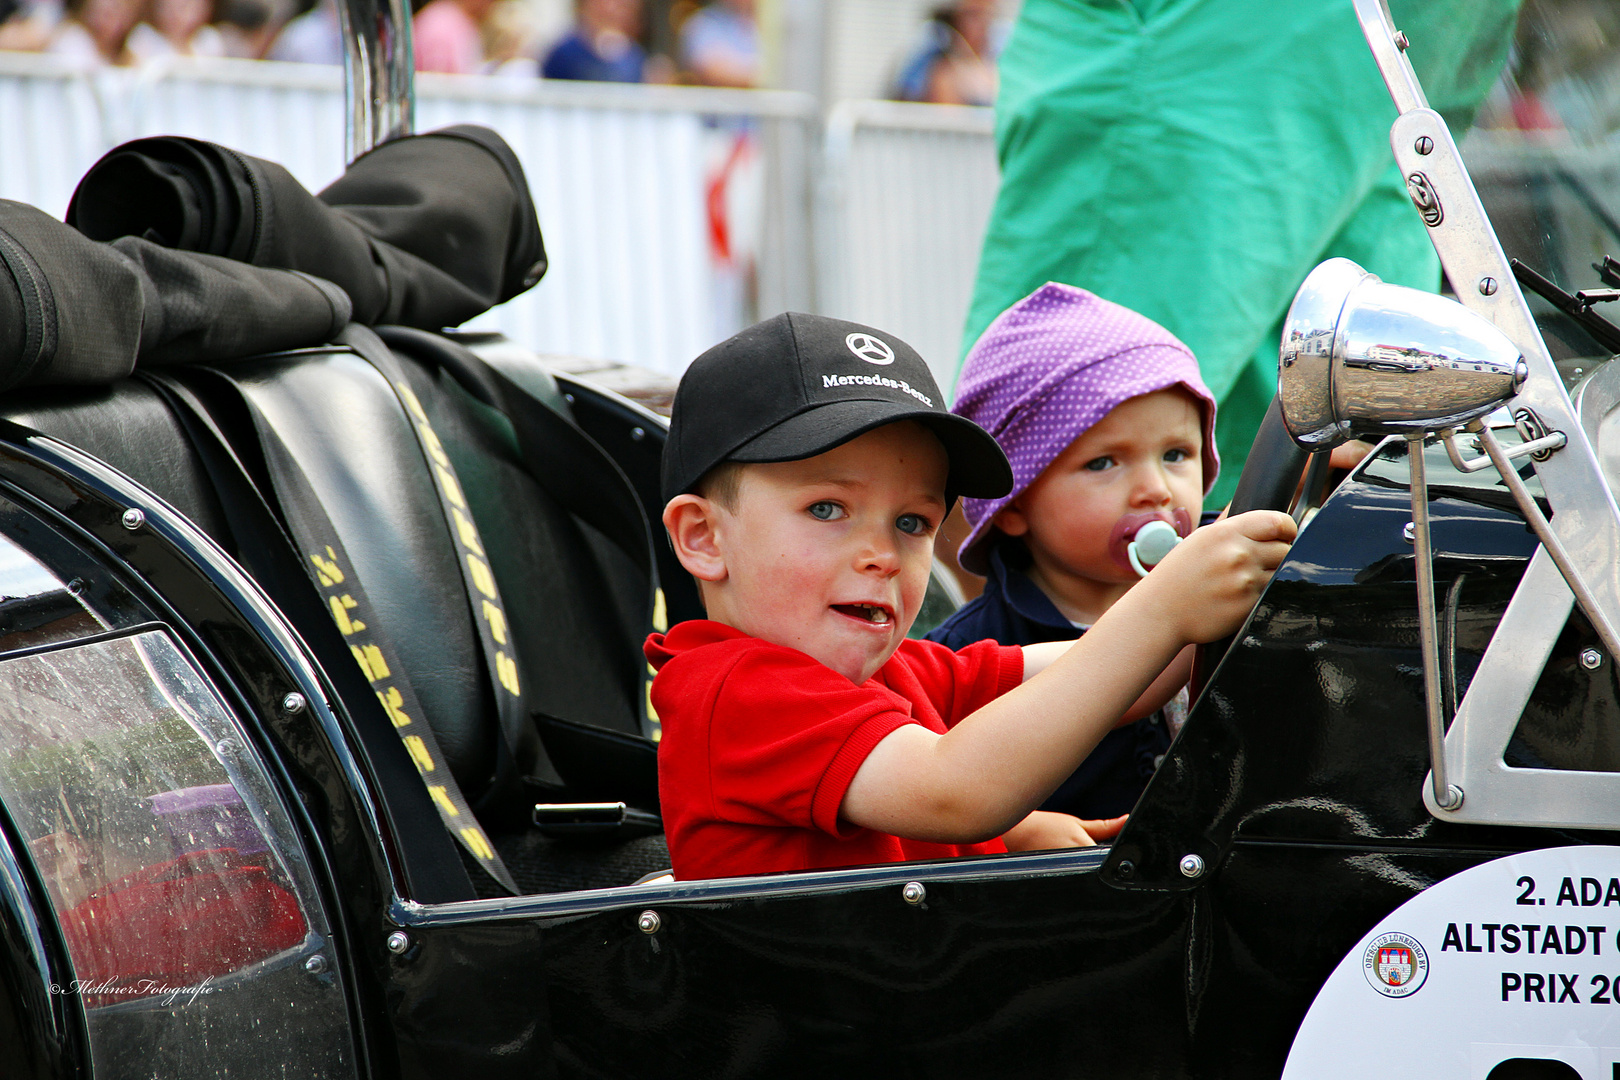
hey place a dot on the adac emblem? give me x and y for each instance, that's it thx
(1395, 965)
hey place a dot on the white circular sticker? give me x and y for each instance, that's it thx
(873, 350)
(1518, 960)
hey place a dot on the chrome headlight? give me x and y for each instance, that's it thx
(1360, 355)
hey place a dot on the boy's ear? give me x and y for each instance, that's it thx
(1011, 520)
(691, 523)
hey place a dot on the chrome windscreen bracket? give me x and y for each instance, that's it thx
(1583, 530)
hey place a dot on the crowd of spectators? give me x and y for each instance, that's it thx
(954, 63)
(717, 44)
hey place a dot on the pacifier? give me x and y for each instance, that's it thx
(1153, 542)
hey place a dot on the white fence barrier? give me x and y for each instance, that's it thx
(620, 175)
(906, 193)
(626, 182)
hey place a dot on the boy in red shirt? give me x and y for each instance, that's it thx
(809, 465)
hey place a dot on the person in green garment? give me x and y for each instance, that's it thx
(1194, 159)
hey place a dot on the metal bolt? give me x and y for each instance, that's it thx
(227, 747)
(649, 922)
(637, 434)
(76, 586)
(1424, 145)
(293, 703)
(913, 892)
(1409, 530)
(1453, 799)
(1192, 866)
(1126, 868)
(1591, 659)
(316, 964)
(133, 519)
(398, 942)
(1487, 286)
(1402, 42)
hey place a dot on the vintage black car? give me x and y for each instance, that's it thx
(325, 748)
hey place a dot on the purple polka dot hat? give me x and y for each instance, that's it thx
(1051, 366)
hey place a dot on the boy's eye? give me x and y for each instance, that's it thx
(826, 511)
(912, 524)
(1176, 455)
(1098, 464)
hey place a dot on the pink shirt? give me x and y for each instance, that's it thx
(446, 39)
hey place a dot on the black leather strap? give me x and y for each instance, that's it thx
(324, 560)
(478, 580)
(561, 458)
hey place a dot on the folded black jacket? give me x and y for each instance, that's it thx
(76, 311)
(425, 231)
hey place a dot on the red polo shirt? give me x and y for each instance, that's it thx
(760, 742)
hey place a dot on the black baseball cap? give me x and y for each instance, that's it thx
(798, 385)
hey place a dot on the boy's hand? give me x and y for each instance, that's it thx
(1212, 580)
(1044, 830)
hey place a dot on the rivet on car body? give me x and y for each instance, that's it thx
(1487, 286)
(1126, 868)
(1424, 145)
(1409, 531)
(293, 703)
(133, 518)
(912, 892)
(1192, 866)
(649, 922)
(1402, 42)
(227, 747)
(316, 964)
(1591, 659)
(637, 434)
(398, 942)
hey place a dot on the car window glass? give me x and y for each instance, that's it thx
(1544, 157)
(173, 869)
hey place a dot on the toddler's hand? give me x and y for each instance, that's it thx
(1043, 830)
(1211, 581)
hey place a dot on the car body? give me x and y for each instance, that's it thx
(218, 855)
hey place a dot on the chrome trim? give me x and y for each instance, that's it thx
(1545, 444)
(1551, 543)
(1489, 715)
(1445, 794)
(379, 96)
(590, 901)
(1388, 47)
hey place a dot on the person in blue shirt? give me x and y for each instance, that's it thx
(1108, 426)
(602, 46)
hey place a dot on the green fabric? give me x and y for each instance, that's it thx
(1194, 159)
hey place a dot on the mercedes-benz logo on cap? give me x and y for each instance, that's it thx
(871, 349)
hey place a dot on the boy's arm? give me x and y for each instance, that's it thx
(989, 771)
(1165, 687)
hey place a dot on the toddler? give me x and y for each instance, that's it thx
(809, 465)
(1108, 426)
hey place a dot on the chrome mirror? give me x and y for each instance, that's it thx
(1361, 355)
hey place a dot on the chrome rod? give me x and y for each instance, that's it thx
(1447, 796)
(379, 93)
(1555, 441)
(1549, 540)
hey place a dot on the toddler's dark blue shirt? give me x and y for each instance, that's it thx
(1013, 610)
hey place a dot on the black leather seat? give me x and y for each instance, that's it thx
(576, 605)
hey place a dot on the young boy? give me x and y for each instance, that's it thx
(1108, 425)
(810, 462)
